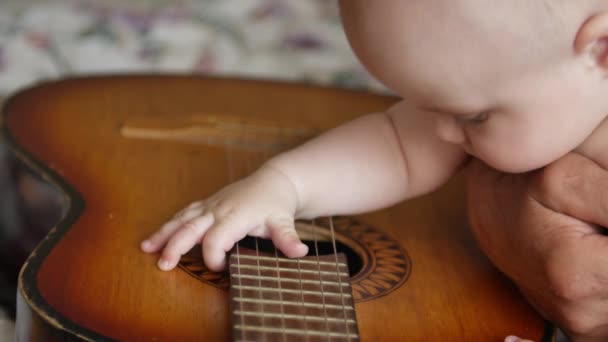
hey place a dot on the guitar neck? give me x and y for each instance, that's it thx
(276, 298)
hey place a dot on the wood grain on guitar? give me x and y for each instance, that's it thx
(129, 151)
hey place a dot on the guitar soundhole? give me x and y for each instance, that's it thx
(377, 264)
(321, 247)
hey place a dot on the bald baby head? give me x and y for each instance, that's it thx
(536, 66)
(525, 32)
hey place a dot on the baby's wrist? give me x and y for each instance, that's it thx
(276, 173)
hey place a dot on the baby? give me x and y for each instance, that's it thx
(516, 83)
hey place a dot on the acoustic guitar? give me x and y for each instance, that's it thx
(129, 151)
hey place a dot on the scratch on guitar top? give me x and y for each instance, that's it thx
(217, 130)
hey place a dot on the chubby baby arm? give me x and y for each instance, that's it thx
(369, 163)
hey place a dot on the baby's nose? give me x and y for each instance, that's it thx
(448, 129)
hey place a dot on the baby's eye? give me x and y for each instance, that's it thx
(474, 119)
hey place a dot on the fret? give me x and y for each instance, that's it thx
(292, 303)
(291, 280)
(292, 316)
(304, 292)
(285, 260)
(308, 298)
(295, 331)
(284, 269)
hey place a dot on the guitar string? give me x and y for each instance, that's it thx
(283, 145)
(276, 256)
(316, 242)
(248, 170)
(333, 242)
(283, 328)
(257, 251)
(228, 152)
(257, 254)
(238, 271)
(303, 309)
(302, 300)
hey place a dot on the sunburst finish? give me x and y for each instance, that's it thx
(89, 280)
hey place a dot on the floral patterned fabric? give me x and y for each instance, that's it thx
(291, 40)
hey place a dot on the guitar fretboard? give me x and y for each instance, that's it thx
(279, 299)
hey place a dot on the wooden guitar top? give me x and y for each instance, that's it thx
(129, 151)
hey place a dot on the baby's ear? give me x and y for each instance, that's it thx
(592, 40)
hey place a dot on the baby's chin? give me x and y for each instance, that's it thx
(516, 164)
(521, 156)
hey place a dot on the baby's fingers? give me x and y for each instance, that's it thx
(221, 238)
(284, 236)
(188, 235)
(155, 242)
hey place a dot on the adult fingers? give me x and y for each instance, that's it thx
(189, 234)
(284, 236)
(576, 186)
(578, 270)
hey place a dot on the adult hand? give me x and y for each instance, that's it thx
(543, 230)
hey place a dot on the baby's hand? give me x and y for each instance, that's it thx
(262, 204)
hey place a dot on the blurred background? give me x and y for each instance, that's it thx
(289, 40)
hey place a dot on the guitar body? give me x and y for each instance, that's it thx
(129, 151)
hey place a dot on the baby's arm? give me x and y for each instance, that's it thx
(369, 163)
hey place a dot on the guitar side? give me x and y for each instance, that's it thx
(88, 280)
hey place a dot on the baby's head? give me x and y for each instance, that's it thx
(518, 83)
